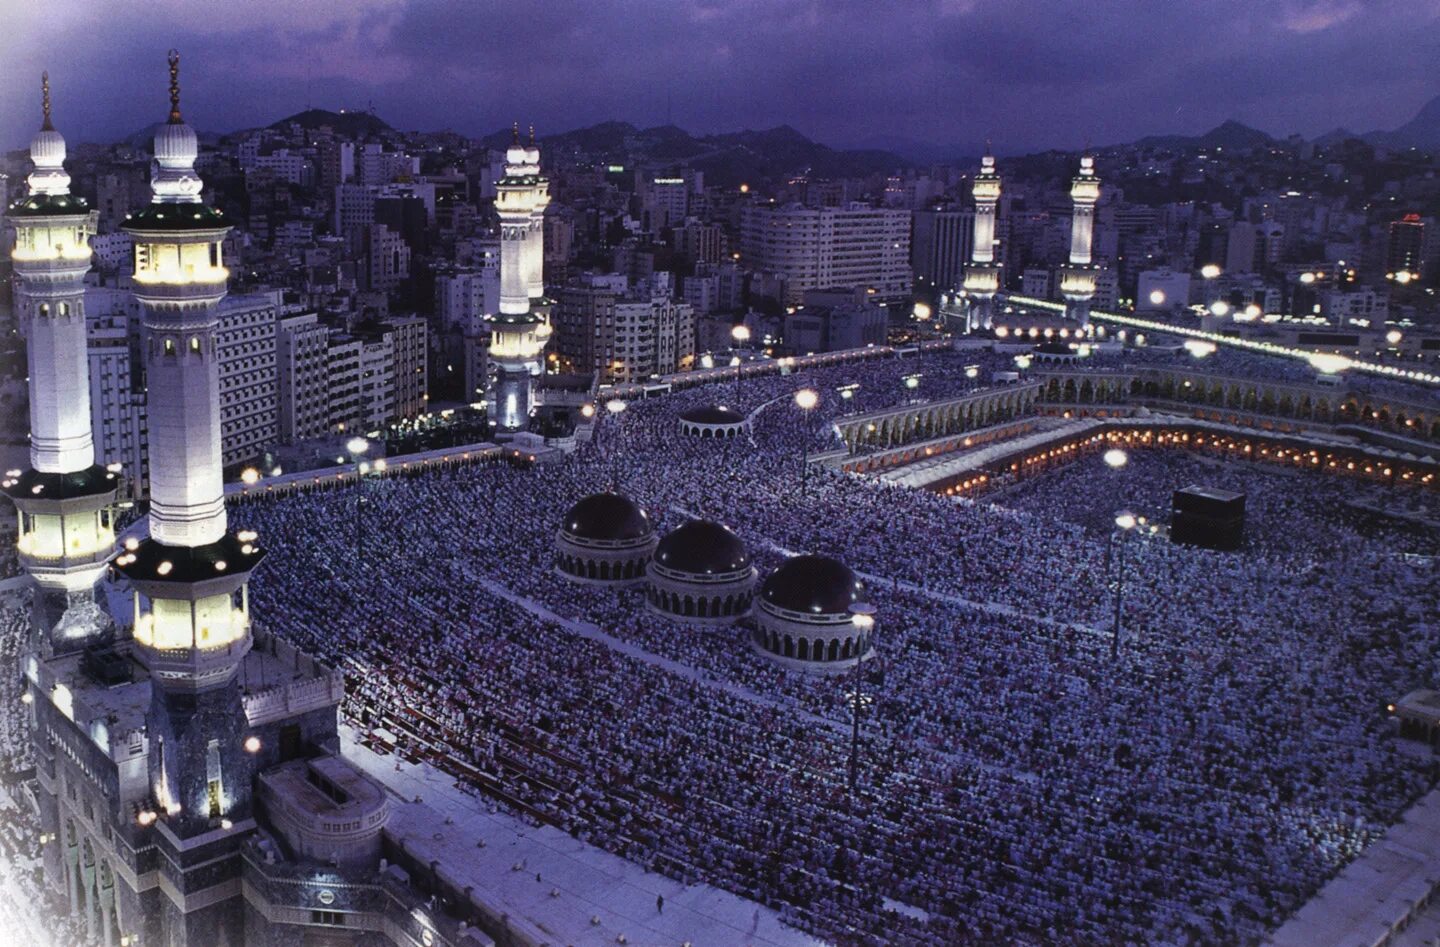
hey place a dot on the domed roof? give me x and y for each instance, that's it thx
(816, 584)
(712, 414)
(607, 516)
(702, 547)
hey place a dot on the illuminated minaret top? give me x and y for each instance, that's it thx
(1084, 193)
(982, 276)
(1077, 278)
(65, 498)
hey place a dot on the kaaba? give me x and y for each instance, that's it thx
(1208, 517)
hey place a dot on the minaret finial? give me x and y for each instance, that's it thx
(515, 132)
(532, 136)
(174, 57)
(45, 101)
(989, 151)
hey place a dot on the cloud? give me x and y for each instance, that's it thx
(1321, 15)
(1030, 73)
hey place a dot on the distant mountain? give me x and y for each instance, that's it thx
(1230, 134)
(1422, 131)
(1335, 136)
(726, 159)
(349, 124)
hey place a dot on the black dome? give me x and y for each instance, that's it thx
(702, 547)
(712, 414)
(608, 516)
(816, 584)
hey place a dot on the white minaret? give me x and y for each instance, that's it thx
(520, 329)
(982, 276)
(191, 606)
(65, 499)
(1077, 282)
(191, 617)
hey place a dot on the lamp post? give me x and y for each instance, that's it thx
(616, 407)
(357, 446)
(806, 399)
(862, 615)
(1124, 522)
(740, 334)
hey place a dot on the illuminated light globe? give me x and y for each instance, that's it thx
(1220, 308)
(1307, 278)
(806, 399)
(1157, 297)
(250, 476)
(1210, 271)
(1199, 347)
(357, 445)
(1329, 363)
(615, 406)
(1125, 519)
(1393, 337)
(1116, 458)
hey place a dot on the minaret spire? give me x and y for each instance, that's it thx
(45, 126)
(532, 136)
(515, 133)
(174, 58)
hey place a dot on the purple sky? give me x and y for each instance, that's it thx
(1027, 73)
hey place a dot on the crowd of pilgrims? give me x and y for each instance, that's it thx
(1016, 783)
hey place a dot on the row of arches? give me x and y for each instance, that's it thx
(709, 431)
(937, 420)
(602, 570)
(733, 605)
(1300, 403)
(801, 648)
(90, 887)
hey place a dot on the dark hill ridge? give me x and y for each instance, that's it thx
(726, 159)
(350, 124)
(1231, 134)
(1422, 131)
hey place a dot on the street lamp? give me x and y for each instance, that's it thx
(249, 476)
(357, 446)
(1124, 522)
(740, 334)
(862, 616)
(805, 399)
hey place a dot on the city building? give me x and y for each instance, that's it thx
(821, 247)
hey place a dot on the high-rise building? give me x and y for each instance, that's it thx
(245, 345)
(583, 321)
(64, 499)
(940, 243)
(827, 247)
(302, 377)
(1404, 250)
(651, 334)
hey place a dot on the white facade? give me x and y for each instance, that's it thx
(829, 247)
(652, 334)
(1162, 289)
(302, 347)
(249, 391)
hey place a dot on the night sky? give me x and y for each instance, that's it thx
(1028, 73)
